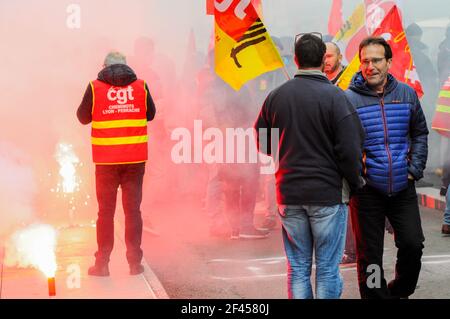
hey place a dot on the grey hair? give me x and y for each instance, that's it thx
(115, 58)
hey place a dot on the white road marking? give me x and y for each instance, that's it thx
(275, 260)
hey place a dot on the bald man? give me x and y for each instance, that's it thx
(333, 62)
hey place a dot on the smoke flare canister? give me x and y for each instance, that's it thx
(51, 286)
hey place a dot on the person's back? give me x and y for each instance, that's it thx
(119, 105)
(319, 144)
(307, 110)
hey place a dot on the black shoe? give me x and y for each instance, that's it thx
(445, 229)
(395, 294)
(99, 270)
(136, 269)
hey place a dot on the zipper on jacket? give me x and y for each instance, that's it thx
(386, 143)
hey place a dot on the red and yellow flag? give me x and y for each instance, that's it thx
(335, 22)
(441, 120)
(364, 20)
(210, 7)
(243, 47)
(402, 67)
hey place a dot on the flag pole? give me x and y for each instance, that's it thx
(286, 73)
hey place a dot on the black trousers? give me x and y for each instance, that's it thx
(108, 178)
(369, 209)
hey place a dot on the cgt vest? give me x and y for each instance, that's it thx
(119, 123)
(441, 121)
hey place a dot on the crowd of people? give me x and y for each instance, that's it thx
(348, 162)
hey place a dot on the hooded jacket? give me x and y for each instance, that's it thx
(396, 133)
(117, 75)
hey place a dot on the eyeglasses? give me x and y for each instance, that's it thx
(317, 34)
(375, 61)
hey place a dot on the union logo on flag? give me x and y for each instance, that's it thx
(243, 47)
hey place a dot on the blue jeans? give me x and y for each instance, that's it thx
(447, 209)
(323, 229)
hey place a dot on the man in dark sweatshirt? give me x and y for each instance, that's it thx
(119, 105)
(319, 152)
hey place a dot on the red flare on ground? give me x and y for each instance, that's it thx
(51, 287)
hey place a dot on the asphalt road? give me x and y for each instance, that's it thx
(191, 264)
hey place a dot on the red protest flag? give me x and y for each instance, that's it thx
(243, 46)
(210, 6)
(335, 21)
(402, 67)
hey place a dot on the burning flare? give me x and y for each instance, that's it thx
(33, 247)
(67, 160)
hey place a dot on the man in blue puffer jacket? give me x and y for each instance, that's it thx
(394, 157)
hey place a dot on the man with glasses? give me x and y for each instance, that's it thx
(320, 143)
(394, 157)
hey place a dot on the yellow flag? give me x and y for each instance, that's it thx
(243, 47)
(344, 80)
(356, 21)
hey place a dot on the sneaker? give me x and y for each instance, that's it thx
(234, 234)
(445, 229)
(253, 233)
(99, 270)
(136, 269)
(148, 228)
(268, 224)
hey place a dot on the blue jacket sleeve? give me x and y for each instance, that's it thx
(418, 132)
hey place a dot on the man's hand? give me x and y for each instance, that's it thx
(411, 178)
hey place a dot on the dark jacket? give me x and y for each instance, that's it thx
(320, 140)
(396, 133)
(443, 62)
(117, 75)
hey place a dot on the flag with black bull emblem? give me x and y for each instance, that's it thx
(243, 47)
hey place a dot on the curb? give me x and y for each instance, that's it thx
(429, 197)
(151, 280)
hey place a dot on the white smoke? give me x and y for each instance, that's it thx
(33, 247)
(17, 188)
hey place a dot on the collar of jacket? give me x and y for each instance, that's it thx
(359, 85)
(312, 73)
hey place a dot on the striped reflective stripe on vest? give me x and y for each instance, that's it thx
(119, 126)
(441, 120)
